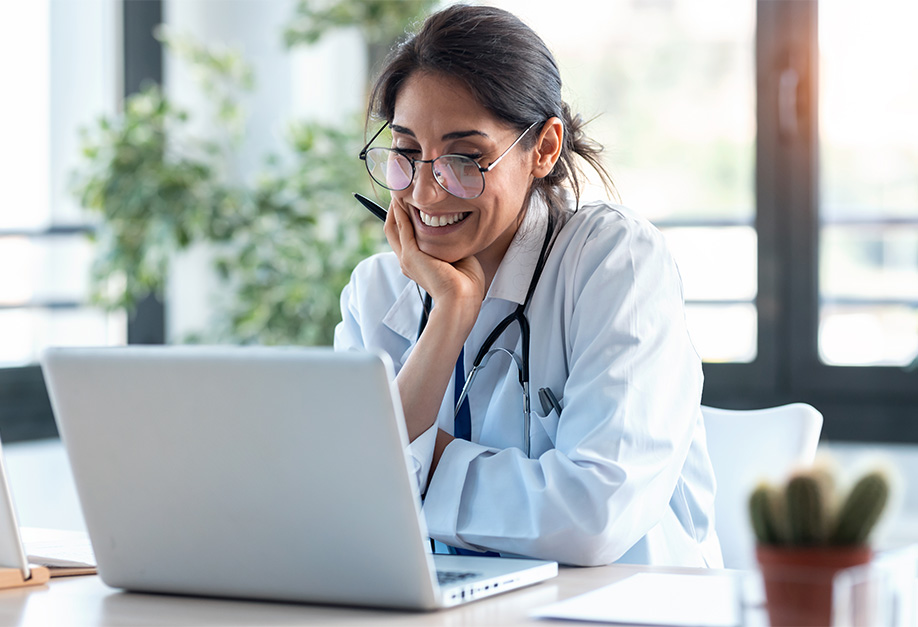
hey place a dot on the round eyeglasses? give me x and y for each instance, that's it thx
(459, 175)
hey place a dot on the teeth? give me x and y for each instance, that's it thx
(442, 220)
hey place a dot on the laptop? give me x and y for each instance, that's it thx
(37, 554)
(262, 473)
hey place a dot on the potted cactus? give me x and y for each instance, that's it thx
(806, 533)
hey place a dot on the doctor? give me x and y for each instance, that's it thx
(491, 248)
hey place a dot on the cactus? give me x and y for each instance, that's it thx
(762, 509)
(806, 510)
(861, 510)
(803, 511)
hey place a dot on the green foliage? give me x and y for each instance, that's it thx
(804, 511)
(152, 200)
(380, 21)
(294, 258)
(286, 242)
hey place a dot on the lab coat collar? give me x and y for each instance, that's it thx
(511, 281)
(404, 315)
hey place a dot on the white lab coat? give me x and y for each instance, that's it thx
(623, 474)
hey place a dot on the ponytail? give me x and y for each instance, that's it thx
(568, 170)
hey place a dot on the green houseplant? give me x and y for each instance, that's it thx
(286, 240)
(807, 530)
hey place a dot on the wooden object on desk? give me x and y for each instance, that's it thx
(68, 571)
(12, 577)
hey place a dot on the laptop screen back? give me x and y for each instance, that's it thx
(249, 472)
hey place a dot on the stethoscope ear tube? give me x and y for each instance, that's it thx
(425, 314)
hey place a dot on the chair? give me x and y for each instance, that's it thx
(745, 448)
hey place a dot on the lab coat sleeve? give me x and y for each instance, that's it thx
(349, 335)
(630, 405)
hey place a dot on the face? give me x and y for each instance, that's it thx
(436, 115)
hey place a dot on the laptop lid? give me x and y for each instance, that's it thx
(246, 472)
(12, 553)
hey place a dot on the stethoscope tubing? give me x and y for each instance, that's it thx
(487, 349)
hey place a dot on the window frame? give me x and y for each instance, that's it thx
(865, 403)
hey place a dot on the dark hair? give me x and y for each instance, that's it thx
(509, 70)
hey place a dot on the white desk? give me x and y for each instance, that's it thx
(88, 601)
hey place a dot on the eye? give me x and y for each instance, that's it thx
(473, 156)
(407, 152)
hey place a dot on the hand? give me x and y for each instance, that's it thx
(460, 284)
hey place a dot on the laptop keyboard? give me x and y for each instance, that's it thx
(445, 577)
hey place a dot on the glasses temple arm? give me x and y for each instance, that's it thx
(363, 153)
(494, 163)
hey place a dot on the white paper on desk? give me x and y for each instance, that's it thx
(58, 549)
(656, 599)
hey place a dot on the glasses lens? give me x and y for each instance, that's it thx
(459, 175)
(389, 168)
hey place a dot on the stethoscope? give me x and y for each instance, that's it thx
(488, 350)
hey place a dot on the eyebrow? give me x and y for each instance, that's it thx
(454, 135)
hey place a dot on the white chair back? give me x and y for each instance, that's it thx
(745, 448)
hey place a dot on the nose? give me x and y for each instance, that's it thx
(425, 189)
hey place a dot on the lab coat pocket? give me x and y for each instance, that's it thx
(544, 432)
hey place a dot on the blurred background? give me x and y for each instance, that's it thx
(181, 171)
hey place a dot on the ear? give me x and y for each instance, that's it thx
(548, 147)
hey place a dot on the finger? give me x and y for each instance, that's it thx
(404, 226)
(391, 229)
(402, 239)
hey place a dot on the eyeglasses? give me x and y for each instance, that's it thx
(459, 175)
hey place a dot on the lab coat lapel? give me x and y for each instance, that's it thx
(403, 318)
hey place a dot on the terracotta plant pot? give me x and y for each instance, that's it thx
(798, 580)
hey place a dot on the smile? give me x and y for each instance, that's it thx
(442, 220)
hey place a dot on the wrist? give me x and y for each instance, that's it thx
(457, 315)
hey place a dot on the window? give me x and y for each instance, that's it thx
(62, 62)
(68, 80)
(868, 189)
(773, 142)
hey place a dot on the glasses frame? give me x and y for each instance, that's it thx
(412, 161)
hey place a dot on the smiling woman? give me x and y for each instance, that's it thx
(486, 219)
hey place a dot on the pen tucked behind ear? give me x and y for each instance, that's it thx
(375, 209)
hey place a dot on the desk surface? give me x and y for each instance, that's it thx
(88, 601)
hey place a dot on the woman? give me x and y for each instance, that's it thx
(609, 462)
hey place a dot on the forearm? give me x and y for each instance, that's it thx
(425, 376)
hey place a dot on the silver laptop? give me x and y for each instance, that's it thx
(263, 473)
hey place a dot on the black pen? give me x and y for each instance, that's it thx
(549, 401)
(375, 209)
